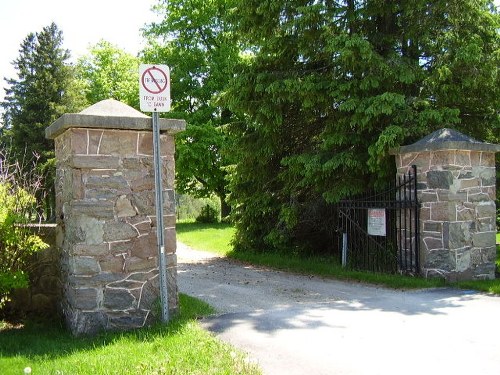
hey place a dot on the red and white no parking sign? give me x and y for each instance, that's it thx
(154, 88)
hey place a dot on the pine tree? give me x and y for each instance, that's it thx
(331, 86)
(39, 94)
(43, 90)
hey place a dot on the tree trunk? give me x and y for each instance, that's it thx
(225, 209)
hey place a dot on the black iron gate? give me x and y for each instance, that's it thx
(379, 230)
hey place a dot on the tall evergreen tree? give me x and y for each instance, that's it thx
(40, 94)
(333, 85)
(43, 90)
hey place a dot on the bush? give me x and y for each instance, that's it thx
(208, 214)
(18, 208)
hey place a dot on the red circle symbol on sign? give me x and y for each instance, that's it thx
(154, 80)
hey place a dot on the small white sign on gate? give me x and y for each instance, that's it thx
(376, 222)
(154, 88)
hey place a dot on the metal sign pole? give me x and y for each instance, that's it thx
(160, 228)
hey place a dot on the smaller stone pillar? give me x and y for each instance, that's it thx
(105, 194)
(456, 187)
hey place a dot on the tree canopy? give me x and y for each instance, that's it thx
(197, 42)
(107, 72)
(330, 86)
(42, 91)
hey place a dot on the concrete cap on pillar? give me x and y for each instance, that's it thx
(111, 114)
(447, 139)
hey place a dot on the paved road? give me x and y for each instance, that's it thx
(292, 324)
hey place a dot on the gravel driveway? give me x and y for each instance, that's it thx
(295, 324)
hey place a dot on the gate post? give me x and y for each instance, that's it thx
(456, 187)
(105, 194)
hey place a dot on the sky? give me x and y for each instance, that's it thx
(83, 23)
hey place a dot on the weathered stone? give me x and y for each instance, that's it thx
(440, 259)
(94, 162)
(95, 250)
(464, 261)
(142, 184)
(134, 264)
(462, 158)
(78, 141)
(127, 319)
(119, 142)
(484, 239)
(432, 243)
(112, 263)
(91, 228)
(144, 202)
(433, 227)
(119, 299)
(82, 298)
(85, 322)
(145, 143)
(115, 183)
(441, 211)
(457, 234)
(93, 209)
(145, 247)
(83, 265)
(439, 179)
(118, 231)
(485, 209)
(124, 207)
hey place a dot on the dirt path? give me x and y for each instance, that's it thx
(294, 324)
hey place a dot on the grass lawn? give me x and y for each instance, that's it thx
(181, 347)
(217, 238)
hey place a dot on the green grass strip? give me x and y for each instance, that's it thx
(180, 347)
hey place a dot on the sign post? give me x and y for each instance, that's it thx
(154, 96)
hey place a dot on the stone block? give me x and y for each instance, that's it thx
(465, 213)
(113, 264)
(94, 162)
(439, 259)
(433, 227)
(484, 239)
(105, 182)
(83, 265)
(82, 298)
(118, 231)
(78, 141)
(119, 299)
(487, 159)
(145, 143)
(439, 179)
(124, 208)
(95, 250)
(127, 320)
(442, 158)
(85, 322)
(463, 259)
(92, 209)
(432, 243)
(428, 196)
(462, 158)
(485, 209)
(167, 145)
(143, 184)
(134, 264)
(442, 211)
(145, 247)
(457, 235)
(144, 202)
(119, 142)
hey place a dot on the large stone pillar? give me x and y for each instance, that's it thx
(106, 216)
(456, 187)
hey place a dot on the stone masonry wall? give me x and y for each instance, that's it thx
(457, 191)
(106, 216)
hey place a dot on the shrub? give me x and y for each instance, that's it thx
(18, 208)
(208, 214)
